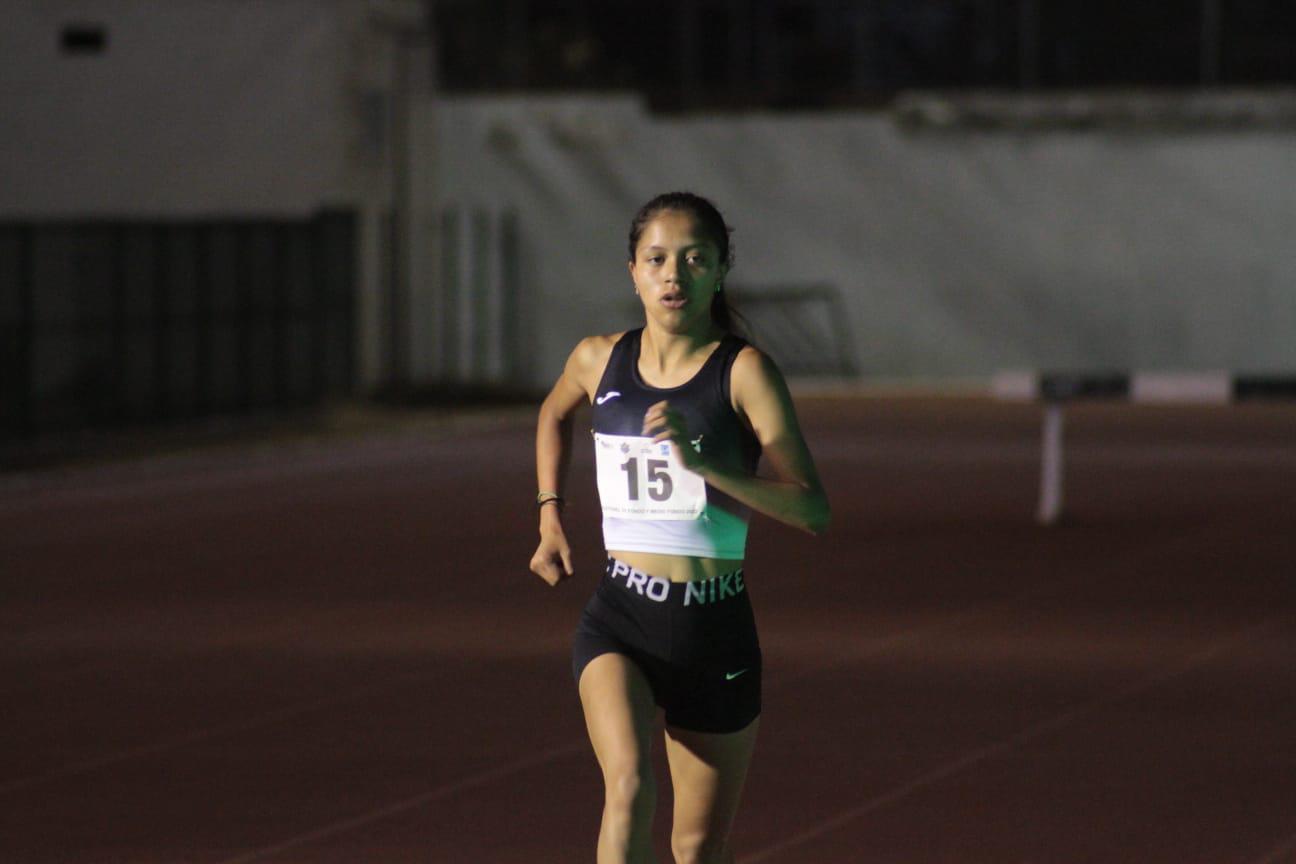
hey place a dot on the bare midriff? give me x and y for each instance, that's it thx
(677, 568)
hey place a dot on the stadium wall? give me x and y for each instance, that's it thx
(193, 111)
(955, 252)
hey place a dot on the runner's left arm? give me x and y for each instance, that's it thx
(793, 494)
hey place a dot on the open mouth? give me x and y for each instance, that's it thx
(675, 301)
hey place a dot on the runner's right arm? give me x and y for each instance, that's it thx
(552, 560)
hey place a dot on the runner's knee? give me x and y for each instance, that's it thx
(627, 784)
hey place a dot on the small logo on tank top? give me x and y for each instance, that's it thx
(611, 394)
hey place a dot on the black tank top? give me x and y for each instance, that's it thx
(704, 401)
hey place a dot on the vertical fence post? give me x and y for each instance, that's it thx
(398, 302)
(344, 281)
(517, 38)
(986, 46)
(740, 36)
(510, 299)
(402, 211)
(319, 304)
(202, 318)
(26, 399)
(866, 58)
(161, 322)
(690, 48)
(1028, 44)
(765, 33)
(117, 236)
(477, 325)
(243, 234)
(1051, 469)
(1210, 43)
(278, 314)
(450, 293)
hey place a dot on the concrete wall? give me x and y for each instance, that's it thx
(957, 253)
(210, 108)
(196, 107)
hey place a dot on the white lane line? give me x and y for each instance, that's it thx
(445, 790)
(981, 754)
(194, 736)
(1279, 852)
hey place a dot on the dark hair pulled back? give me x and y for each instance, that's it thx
(713, 225)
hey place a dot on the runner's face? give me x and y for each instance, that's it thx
(676, 271)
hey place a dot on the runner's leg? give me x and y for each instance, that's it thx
(619, 713)
(707, 773)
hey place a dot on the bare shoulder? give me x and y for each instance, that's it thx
(760, 395)
(591, 353)
(754, 371)
(589, 358)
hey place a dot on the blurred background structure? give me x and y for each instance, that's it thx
(813, 54)
(214, 206)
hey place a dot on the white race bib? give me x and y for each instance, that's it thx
(638, 479)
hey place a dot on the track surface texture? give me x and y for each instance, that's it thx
(334, 652)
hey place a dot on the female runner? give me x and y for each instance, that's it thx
(681, 412)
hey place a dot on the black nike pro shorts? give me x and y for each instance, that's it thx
(695, 642)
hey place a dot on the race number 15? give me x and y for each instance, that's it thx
(658, 479)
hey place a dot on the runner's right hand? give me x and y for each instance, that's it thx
(552, 558)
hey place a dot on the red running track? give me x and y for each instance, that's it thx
(333, 652)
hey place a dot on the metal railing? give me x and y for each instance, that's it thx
(805, 328)
(806, 53)
(108, 322)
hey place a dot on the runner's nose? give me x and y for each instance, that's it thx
(674, 272)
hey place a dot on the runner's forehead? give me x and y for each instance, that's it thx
(674, 231)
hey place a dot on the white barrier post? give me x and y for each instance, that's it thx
(1165, 387)
(1050, 505)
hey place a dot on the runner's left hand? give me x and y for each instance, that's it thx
(664, 423)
